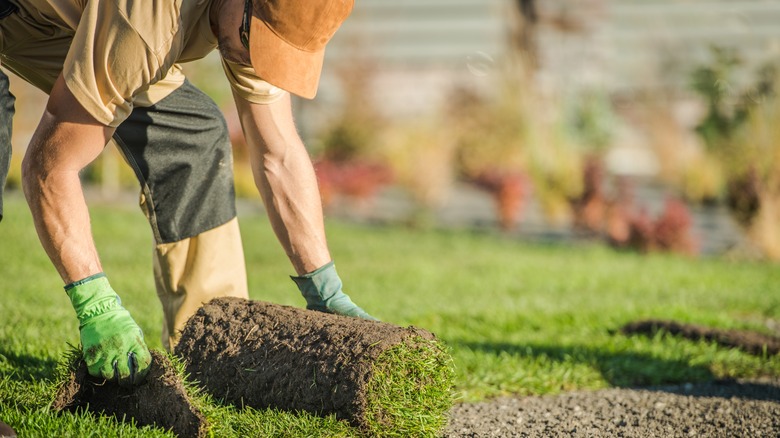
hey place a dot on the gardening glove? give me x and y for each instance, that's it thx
(322, 290)
(112, 342)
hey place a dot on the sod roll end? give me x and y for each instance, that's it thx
(162, 400)
(384, 379)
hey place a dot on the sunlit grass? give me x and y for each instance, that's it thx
(518, 318)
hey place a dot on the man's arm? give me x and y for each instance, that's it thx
(66, 140)
(285, 178)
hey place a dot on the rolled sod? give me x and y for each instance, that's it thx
(746, 340)
(384, 379)
(6, 431)
(161, 401)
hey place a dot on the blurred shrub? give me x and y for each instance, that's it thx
(352, 133)
(742, 135)
(355, 178)
(421, 155)
(557, 169)
(492, 134)
(591, 120)
(684, 163)
(703, 179)
(509, 191)
(515, 143)
(493, 141)
(726, 106)
(347, 154)
(590, 207)
(754, 176)
(671, 231)
(640, 233)
(14, 181)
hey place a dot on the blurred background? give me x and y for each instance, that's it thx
(650, 125)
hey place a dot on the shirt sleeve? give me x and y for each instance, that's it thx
(249, 86)
(116, 55)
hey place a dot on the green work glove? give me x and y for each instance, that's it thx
(112, 342)
(322, 290)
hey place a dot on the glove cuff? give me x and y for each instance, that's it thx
(70, 286)
(320, 284)
(320, 270)
(92, 296)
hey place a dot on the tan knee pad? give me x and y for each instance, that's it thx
(191, 272)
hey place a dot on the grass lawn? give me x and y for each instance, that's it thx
(519, 318)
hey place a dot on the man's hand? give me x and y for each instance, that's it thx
(112, 342)
(322, 291)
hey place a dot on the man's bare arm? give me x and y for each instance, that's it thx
(66, 140)
(285, 178)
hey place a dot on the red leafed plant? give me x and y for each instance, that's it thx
(672, 229)
(508, 190)
(590, 207)
(356, 178)
(641, 232)
(669, 232)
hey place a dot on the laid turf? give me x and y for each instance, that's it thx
(518, 318)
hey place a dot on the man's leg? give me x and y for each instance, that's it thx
(181, 153)
(6, 117)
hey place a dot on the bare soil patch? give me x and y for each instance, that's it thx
(714, 409)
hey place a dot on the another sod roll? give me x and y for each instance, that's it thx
(384, 379)
(161, 401)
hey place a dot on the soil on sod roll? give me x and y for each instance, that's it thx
(748, 341)
(160, 401)
(6, 431)
(378, 376)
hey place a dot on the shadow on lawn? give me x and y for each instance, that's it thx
(25, 367)
(620, 369)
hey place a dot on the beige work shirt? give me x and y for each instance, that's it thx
(115, 54)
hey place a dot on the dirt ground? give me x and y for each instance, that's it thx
(716, 409)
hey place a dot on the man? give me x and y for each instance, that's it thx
(111, 69)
